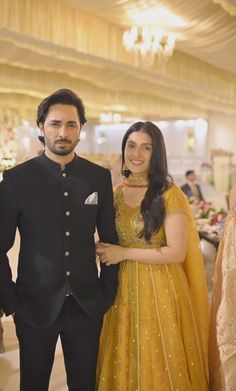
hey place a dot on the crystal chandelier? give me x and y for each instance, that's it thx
(149, 43)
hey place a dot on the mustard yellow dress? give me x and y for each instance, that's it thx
(155, 336)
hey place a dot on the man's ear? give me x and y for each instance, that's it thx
(41, 128)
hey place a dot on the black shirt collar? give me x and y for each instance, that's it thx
(54, 166)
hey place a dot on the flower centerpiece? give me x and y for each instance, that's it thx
(218, 217)
(209, 219)
(204, 210)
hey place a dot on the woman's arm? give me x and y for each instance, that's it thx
(174, 252)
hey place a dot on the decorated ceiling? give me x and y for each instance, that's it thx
(50, 44)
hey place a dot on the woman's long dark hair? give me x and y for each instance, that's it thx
(152, 205)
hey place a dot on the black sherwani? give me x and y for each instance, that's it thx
(57, 213)
(56, 229)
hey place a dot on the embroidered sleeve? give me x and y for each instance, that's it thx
(176, 201)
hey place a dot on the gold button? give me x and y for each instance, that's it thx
(67, 213)
(66, 193)
(67, 233)
(64, 174)
(68, 273)
(67, 253)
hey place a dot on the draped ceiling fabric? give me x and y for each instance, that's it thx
(228, 5)
(45, 45)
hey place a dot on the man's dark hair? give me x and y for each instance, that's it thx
(65, 97)
(189, 172)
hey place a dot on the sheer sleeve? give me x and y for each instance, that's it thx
(176, 201)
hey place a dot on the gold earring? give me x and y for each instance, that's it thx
(125, 170)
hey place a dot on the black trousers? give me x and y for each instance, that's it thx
(79, 336)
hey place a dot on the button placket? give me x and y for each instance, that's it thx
(67, 228)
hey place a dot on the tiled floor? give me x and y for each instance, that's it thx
(9, 362)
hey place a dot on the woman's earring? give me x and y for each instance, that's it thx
(125, 170)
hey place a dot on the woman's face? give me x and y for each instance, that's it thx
(138, 152)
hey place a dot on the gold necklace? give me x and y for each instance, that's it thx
(129, 185)
(136, 180)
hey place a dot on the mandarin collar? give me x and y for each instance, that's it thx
(54, 166)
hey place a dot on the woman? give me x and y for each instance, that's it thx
(155, 336)
(223, 313)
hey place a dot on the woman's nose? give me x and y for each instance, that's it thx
(137, 152)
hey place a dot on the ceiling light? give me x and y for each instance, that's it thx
(149, 43)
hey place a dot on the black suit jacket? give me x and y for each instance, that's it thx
(57, 249)
(187, 190)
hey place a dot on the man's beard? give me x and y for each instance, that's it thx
(60, 151)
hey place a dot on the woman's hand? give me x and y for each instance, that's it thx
(110, 254)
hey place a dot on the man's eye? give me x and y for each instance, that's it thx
(55, 124)
(73, 126)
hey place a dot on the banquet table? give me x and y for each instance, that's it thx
(210, 238)
(209, 232)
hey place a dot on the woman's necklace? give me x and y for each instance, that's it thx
(129, 185)
(136, 181)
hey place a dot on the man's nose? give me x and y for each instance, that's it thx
(63, 131)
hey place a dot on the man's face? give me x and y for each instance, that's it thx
(192, 177)
(61, 129)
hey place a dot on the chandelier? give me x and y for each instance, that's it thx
(149, 43)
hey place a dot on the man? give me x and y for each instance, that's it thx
(191, 189)
(57, 200)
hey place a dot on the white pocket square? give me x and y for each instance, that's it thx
(92, 199)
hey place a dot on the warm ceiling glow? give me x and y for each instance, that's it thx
(120, 108)
(153, 16)
(153, 33)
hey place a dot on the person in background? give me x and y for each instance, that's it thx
(191, 188)
(222, 352)
(155, 336)
(57, 200)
